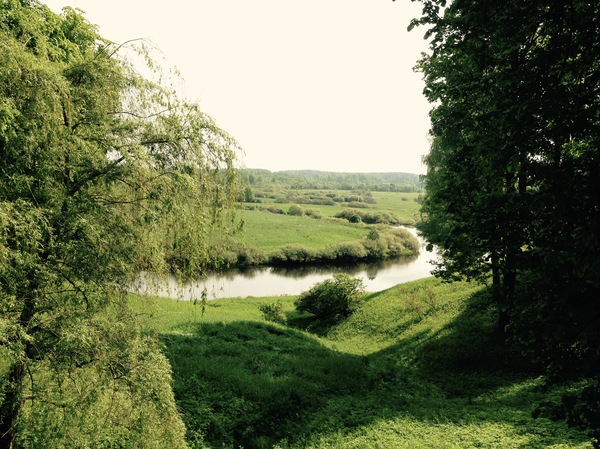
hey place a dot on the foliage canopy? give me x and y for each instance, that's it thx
(511, 186)
(103, 173)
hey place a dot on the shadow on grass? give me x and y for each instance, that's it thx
(307, 322)
(467, 357)
(254, 385)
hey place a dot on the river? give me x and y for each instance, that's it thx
(269, 281)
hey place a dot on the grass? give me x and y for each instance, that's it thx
(268, 232)
(402, 204)
(418, 366)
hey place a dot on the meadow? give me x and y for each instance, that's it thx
(417, 366)
(287, 226)
(404, 204)
(268, 232)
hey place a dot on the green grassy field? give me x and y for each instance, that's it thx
(402, 204)
(417, 366)
(267, 232)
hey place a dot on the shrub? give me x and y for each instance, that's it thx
(358, 204)
(249, 195)
(273, 312)
(332, 299)
(323, 201)
(376, 248)
(400, 242)
(373, 234)
(389, 243)
(370, 217)
(292, 255)
(313, 213)
(348, 252)
(295, 210)
(354, 218)
(273, 210)
(246, 255)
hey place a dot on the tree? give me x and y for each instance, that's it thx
(514, 86)
(478, 177)
(515, 146)
(248, 195)
(103, 174)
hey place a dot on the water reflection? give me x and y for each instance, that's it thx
(271, 281)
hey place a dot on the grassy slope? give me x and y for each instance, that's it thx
(416, 367)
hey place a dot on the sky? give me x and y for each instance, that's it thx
(314, 84)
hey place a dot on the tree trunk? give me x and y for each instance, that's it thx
(11, 405)
(508, 296)
(13, 391)
(498, 297)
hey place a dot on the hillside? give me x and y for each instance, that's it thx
(418, 366)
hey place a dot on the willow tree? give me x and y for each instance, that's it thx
(103, 173)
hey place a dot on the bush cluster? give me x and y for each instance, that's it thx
(294, 254)
(273, 210)
(306, 199)
(241, 255)
(313, 213)
(358, 199)
(355, 216)
(377, 245)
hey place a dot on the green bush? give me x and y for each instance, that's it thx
(373, 234)
(349, 252)
(295, 210)
(355, 218)
(273, 312)
(292, 255)
(245, 256)
(273, 210)
(358, 204)
(332, 299)
(313, 213)
(400, 243)
(369, 217)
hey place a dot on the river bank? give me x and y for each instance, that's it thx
(276, 281)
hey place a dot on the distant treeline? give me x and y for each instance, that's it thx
(314, 179)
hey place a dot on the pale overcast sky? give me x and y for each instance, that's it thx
(312, 84)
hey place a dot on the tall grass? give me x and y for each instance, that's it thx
(417, 366)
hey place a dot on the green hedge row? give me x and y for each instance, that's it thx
(377, 245)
